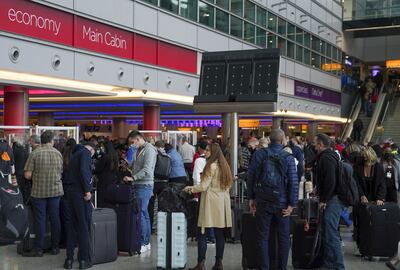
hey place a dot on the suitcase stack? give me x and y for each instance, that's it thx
(103, 236)
(171, 240)
(121, 198)
(238, 205)
(379, 231)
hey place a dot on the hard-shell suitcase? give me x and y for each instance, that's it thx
(307, 250)
(103, 236)
(192, 210)
(121, 198)
(236, 230)
(379, 231)
(171, 240)
(249, 239)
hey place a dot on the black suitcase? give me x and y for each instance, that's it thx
(28, 242)
(103, 236)
(307, 250)
(236, 230)
(249, 239)
(378, 229)
(122, 199)
(308, 208)
(192, 217)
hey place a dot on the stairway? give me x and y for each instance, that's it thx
(391, 124)
(365, 121)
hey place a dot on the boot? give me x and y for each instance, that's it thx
(199, 266)
(218, 265)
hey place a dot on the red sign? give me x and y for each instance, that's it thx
(145, 49)
(30, 19)
(175, 57)
(102, 38)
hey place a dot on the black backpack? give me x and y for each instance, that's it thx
(346, 186)
(162, 169)
(272, 174)
(13, 214)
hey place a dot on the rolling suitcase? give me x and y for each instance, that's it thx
(122, 199)
(249, 244)
(378, 229)
(103, 236)
(171, 240)
(192, 217)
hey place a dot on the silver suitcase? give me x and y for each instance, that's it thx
(171, 240)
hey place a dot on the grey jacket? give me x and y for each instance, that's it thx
(143, 167)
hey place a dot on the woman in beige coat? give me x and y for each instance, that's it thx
(215, 204)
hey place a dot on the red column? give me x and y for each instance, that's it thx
(16, 106)
(151, 117)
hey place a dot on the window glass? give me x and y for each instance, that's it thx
(334, 53)
(291, 31)
(339, 56)
(171, 5)
(261, 17)
(322, 45)
(282, 45)
(249, 11)
(271, 40)
(306, 57)
(272, 22)
(249, 32)
(206, 14)
(323, 65)
(261, 37)
(299, 35)
(236, 27)
(290, 49)
(299, 53)
(315, 60)
(223, 3)
(237, 7)
(329, 50)
(307, 39)
(153, 2)
(188, 9)
(316, 44)
(281, 27)
(222, 21)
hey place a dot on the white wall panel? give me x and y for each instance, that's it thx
(177, 30)
(246, 46)
(219, 42)
(235, 45)
(63, 3)
(320, 78)
(116, 11)
(145, 18)
(291, 13)
(35, 58)
(301, 72)
(337, 9)
(290, 68)
(105, 70)
(336, 83)
(305, 4)
(179, 83)
(140, 75)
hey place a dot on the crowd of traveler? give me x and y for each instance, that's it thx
(60, 186)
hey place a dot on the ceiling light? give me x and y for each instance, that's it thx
(311, 116)
(32, 80)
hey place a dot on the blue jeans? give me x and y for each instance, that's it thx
(40, 207)
(333, 256)
(264, 221)
(144, 193)
(202, 243)
(365, 106)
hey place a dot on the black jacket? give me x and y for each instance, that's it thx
(78, 175)
(327, 175)
(378, 183)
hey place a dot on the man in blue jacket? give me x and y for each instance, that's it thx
(78, 187)
(273, 167)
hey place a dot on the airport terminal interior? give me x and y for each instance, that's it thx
(230, 72)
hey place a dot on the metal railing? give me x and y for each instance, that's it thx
(355, 111)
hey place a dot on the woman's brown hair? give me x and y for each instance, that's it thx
(216, 155)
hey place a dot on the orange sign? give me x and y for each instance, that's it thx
(333, 67)
(393, 64)
(249, 123)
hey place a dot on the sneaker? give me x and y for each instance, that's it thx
(143, 249)
(148, 247)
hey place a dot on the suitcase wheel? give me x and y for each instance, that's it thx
(130, 253)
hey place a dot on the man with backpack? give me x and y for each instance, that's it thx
(273, 192)
(328, 176)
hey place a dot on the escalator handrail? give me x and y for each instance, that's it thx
(348, 120)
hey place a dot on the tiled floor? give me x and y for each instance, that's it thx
(9, 260)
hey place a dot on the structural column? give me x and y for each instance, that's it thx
(234, 151)
(276, 122)
(151, 117)
(312, 129)
(46, 119)
(226, 127)
(16, 106)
